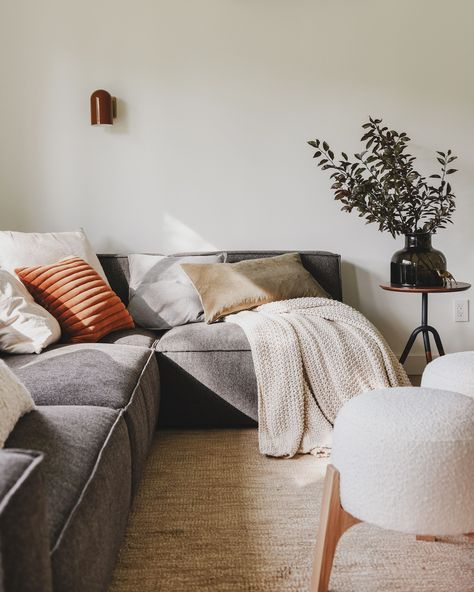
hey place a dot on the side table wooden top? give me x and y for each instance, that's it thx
(458, 287)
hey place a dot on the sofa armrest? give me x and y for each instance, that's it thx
(25, 564)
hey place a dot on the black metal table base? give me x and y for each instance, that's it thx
(425, 330)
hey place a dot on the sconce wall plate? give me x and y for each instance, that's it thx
(103, 108)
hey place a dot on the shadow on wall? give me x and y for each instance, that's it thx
(350, 289)
(121, 123)
(361, 287)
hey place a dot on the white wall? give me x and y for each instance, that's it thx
(216, 101)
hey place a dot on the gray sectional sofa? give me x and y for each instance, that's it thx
(71, 467)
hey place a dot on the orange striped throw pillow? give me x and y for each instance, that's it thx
(75, 294)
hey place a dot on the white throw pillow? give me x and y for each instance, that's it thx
(25, 327)
(26, 249)
(161, 294)
(15, 400)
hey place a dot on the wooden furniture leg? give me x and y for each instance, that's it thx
(334, 521)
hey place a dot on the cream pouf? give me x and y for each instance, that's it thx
(406, 460)
(453, 372)
(402, 459)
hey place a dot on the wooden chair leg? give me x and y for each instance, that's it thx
(334, 521)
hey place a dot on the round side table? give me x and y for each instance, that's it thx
(425, 328)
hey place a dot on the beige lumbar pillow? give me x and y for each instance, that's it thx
(225, 288)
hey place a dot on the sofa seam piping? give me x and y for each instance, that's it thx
(137, 384)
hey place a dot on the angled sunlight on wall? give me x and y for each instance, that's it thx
(178, 237)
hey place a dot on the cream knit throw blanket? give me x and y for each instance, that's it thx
(311, 355)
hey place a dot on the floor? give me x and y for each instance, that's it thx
(212, 514)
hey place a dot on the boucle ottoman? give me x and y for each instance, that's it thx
(453, 372)
(402, 459)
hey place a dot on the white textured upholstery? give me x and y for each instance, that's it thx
(406, 459)
(453, 372)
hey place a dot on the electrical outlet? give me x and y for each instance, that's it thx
(461, 311)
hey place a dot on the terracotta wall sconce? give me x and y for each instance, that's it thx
(103, 108)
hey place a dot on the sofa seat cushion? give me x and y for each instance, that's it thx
(137, 336)
(203, 337)
(87, 477)
(207, 376)
(81, 374)
(100, 374)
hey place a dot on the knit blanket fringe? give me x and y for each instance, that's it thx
(311, 355)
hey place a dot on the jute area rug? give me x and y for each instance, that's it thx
(213, 514)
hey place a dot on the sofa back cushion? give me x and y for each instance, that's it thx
(325, 267)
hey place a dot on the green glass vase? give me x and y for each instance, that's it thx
(417, 265)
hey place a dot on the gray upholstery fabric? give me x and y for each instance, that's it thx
(141, 415)
(81, 374)
(325, 268)
(87, 478)
(138, 336)
(24, 546)
(207, 389)
(106, 375)
(116, 270)
(206, 373)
